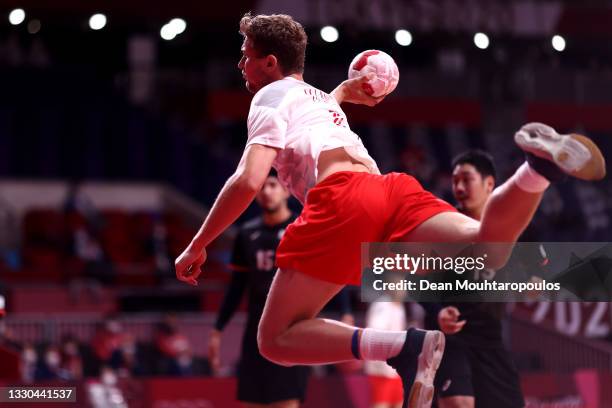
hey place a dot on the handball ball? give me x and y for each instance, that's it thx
(379, 63)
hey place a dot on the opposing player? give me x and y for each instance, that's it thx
(260, 382)
(305, 134)
(477, 369)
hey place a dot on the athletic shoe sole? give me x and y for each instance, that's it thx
(576, 155)
(422, 391)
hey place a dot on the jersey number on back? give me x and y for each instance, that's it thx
(265, 259)
(337, 117)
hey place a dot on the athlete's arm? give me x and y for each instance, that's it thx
(352, 91)
(235, 196)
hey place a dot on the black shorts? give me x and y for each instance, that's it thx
(263, 382)
(484, 372)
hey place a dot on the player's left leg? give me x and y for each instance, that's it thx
(512, 205)
(289, 332)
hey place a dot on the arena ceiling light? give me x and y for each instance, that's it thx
(97, 21)
(481, 40)
(403, 37)
(178, 25)
(329, 34)
(173, 28)
(558, 43)
(167, 33)
(17, 16)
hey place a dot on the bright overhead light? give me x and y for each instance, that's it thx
(481, 40)
(167, 32)
(403, 37)
(178, 25)
(329, 34)
(97, 21)
(16, 16)
(558, 43)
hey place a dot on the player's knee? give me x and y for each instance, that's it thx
(270, 347)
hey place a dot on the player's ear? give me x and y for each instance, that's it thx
(271, 62)
(489, 183)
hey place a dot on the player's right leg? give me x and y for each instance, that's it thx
(511, 207)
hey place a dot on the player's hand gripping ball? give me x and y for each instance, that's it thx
(379, 63)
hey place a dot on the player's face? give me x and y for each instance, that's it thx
(254, 67)
(470, 189)
(272, 195)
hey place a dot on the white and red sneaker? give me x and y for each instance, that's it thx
(417, 364)
(554, 155)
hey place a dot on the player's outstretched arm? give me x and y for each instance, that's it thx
(235, 196)
(352, 91)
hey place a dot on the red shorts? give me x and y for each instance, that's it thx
(386, 390)
(349, 208)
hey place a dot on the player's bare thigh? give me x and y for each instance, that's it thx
(294, 403)
(293, 296)
(445, 227)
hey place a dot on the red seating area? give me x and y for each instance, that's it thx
(130, 243)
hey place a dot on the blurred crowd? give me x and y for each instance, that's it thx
(112, 353)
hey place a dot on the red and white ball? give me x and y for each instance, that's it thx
(379, 63)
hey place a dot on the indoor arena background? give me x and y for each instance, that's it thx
(114, 143)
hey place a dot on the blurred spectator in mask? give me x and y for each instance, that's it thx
(130, 363)
(174, 348)
(29, 360)
(7, 339)
(72, 363)
(107, 344)
(49, 367)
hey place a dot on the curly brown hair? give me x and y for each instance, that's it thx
(279, 35)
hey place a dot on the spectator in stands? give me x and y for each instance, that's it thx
(29, 360)
(174, 347)
(49, 367)
(130, 362)
(72, 363)
(7, 339)
(84, 223)
(9, 237)
(107, 344)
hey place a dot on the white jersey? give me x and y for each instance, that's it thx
(303, 121)
(384, 316)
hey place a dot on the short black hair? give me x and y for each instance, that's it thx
(481, 160)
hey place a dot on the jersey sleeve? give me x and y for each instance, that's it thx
(239, 259)
(232, 299)
(267, 124)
